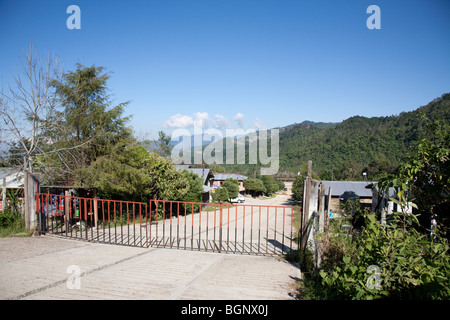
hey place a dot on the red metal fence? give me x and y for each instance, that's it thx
(237, 228)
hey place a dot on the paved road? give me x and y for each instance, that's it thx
(44, 268)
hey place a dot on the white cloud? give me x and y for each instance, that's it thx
(220, 121)
(239, 118)
(201, 118)
(182, 121)
(179, 121)
(259, 124)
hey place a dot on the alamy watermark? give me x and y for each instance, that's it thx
(374, 21)
(374, 280)
(74, 280)
(74, 20)
(191, 149)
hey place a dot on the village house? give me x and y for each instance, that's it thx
(219, 178)
(10, 178)
(205, 174)
(338, 188)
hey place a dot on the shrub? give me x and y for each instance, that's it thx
(232, 188)
(220, 195)
(11, 224)
(388, 261)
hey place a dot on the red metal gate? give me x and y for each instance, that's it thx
(236, 228)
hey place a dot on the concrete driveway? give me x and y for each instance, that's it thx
(50, 268)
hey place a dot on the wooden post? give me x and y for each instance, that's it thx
(66, 209)
(310, 193)
(4, 194)
(309, 174)
(305, 214)
(95, 208)
(328, 207)
(322, 208)
(31, 187)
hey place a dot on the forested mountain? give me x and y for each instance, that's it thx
(342, 151)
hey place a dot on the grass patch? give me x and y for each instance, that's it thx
(12, 225)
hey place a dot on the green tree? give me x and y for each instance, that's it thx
(131, 172)
(194, 192)
(425, 175)
(232, 187)
(350, 170)
(379, 167)
(297, 188)
(220, 195)
(91, 126)
(119, 175)
(254, 186)
(164, 145)
(270, 185)
(216, 168)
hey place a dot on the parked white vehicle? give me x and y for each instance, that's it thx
(238, 199)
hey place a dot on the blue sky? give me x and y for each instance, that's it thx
(249, 63)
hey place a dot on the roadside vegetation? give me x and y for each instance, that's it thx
(12, 222)
(406, 258)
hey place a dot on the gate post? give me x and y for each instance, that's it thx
(4, 194)
(66, 210)
(321, 208)
(30, 188)
(220, 228)
(95, 211)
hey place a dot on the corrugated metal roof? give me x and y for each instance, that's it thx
(198, 171)
(339, 187)
(14, 178)
(225, 176)
(207, 189)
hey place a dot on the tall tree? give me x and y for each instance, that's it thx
(298, 185)
(220, 195)
(164, 146)
(29, 110)
(270, 184)
(232, 186)
(90, 121)
(254, 186)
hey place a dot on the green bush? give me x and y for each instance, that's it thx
(220, 195)
(394, 260)
(387, 261)
(11, 220)
(11, 224)
(232, 189)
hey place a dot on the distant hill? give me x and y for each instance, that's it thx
(356, 142)
(342, 151)
(307, 124)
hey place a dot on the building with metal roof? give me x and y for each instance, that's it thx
(13, 177)
(219, 178)
(339, 187)
(361, 188)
